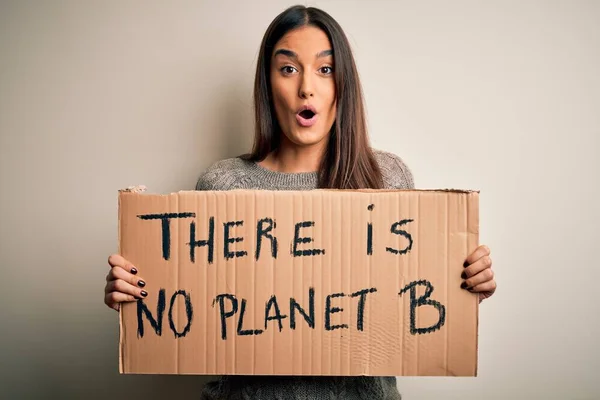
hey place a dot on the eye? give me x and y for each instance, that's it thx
(326, 70)
(287, 70)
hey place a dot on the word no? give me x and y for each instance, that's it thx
(229, 306)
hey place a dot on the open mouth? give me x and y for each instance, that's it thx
(307, 114)
(306, 117)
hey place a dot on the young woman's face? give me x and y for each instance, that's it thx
(303, 86)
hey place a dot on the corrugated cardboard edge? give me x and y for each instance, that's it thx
(130, 189)
(477, 297)
(142, 188)
(121, 324)
(475, 202)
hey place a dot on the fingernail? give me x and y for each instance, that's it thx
(144, 293)
(133, 271)
(463, 275)
(463, 285)
(141, 283)
(465, 264)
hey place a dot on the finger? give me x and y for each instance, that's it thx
(111, 274)
(119, 273)
(123, 287)
(479, 252)
(114, 299)
(478, 266)
(484, 276)
(489, 287)
(116, 260)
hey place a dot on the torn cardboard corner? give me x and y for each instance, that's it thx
(317, 282)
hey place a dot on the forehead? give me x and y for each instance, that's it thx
(305, 41)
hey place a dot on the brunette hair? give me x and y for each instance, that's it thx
(349, 162)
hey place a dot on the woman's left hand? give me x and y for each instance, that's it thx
(478, 275)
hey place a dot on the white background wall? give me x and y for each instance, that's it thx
(501, 96)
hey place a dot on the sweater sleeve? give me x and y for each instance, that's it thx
(396, 174)
(222, 175)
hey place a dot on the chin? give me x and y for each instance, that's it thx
(306, 138)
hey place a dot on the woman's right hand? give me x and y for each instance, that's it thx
(122, 283)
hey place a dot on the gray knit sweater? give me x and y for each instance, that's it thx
(235, 173)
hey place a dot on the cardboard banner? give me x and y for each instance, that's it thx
(323, 282)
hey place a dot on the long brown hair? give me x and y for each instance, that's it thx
(349, 162)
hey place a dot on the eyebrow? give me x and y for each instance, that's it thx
(291, 54)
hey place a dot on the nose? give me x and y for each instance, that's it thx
(306, 95)
(306, 87)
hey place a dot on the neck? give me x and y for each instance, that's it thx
(290, 158)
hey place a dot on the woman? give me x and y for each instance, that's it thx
(310, 133)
